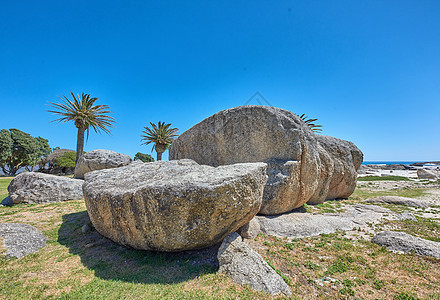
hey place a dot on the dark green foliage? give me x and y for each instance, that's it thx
(60, 161)
(143, 157)
(67, 160)
(19, 149)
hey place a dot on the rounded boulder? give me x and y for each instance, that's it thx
(173, 206)
(99, 160)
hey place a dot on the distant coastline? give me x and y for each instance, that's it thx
(395, 162)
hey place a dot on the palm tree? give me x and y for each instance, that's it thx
(84, 114)
(309, 122)
(161, 135)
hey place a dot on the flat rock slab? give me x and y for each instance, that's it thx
(297, 224)
(173, 205)
(245, 266)
(33, 187)
(399, 201)
(403, 242)
(21, 239)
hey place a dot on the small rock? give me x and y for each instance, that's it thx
(250, 230)
(403, 242)
(406, 216)
(89, 245)
(85, 228)
(245, 266)
(427, 174)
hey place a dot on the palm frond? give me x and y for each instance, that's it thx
(83, 112)
(309, 122)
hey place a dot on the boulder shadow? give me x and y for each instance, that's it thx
(111, 261)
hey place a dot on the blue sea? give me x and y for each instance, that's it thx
(390, 162)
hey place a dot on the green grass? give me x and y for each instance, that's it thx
(4, 182)
(384, 178)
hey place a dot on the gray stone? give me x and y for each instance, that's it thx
(428, 174)
(399, 201)
(32, 187)
(99, 160)
(403, 242)
(85, 228)
(406, 216)
(303, 167)
(175, 205)
(21, 239)
(297, 224)
(250, 230)
(245, 266)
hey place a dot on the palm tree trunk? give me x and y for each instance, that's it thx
(80, 143)
(160, 148)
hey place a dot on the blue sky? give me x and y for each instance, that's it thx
(368, 70)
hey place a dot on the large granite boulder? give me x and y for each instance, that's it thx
(302, 167)
(31, 187)
(99, 160)
(173, 206)
(245, 266)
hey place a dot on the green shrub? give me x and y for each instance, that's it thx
(67, 160)
(143, 157)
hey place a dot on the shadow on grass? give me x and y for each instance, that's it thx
(111, 261)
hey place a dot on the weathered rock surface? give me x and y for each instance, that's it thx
(99, 160)
(403, 242)
(175, 205)
(399, 201)
(250, 230)
(406, 216)
(302, 166)
(297, 224)
(31, 187)
(21, 239)
(427, 174)
(245, 266)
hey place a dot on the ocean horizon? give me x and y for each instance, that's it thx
(370, 162)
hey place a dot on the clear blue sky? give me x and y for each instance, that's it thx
(368, 70)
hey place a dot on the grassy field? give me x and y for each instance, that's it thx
(77, 265)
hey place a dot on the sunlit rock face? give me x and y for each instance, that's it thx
(303, 167)
(173, 206)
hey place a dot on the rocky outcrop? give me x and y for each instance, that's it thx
(21, 239)
(403, 242)
(302, 167)
(428, 174)
(31, 187)
(297, 224)
(245, 266)
(99, 160)
(399, 201)
(173, 206)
